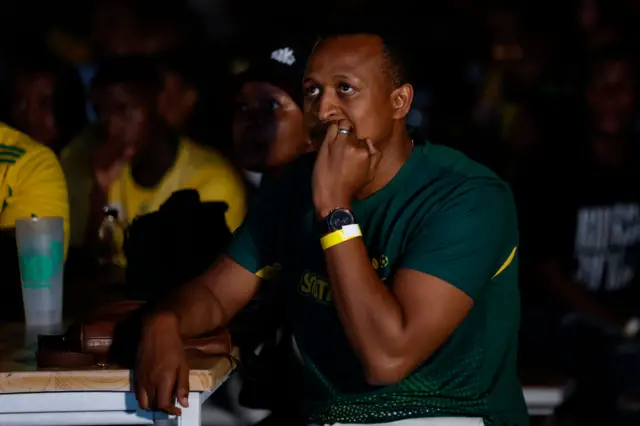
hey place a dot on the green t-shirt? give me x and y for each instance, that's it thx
(443, 215)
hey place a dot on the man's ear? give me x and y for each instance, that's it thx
(401, 99)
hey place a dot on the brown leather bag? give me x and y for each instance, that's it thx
(91, 342)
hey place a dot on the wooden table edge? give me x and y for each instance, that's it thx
(201, 379)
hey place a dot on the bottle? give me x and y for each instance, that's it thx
(111, 236)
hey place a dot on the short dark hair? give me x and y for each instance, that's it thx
(141, 71)
(69, 100)
(393, 48)
(180, 62)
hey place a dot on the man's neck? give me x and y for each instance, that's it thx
(149, 168)
(396, 152)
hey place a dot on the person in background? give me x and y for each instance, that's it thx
(268, 126)
(47, 101)
(175, 103)
(31, 183)
(583, 239)
(141, 159)
(268, 133)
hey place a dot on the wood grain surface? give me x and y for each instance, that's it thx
(19, 373)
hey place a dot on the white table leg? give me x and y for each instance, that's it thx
(192, 416)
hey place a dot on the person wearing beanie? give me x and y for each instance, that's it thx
(268, 124)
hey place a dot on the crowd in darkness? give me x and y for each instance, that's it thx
(544, 93)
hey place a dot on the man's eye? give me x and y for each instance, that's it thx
(345, 88)
(311, 91)
(241, 107)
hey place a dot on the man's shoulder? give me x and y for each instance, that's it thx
(457, 177)
(449, 162)
(19, 151)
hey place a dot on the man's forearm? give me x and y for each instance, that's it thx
(211, 300)
(371, 316)
(194, 308)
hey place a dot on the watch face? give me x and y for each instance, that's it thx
(340, 218)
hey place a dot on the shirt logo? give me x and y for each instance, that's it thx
(381, 266)
(319, 288)
(315, 286)
(284, 56)
(9, 154)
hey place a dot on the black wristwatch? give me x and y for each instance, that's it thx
(336, 220)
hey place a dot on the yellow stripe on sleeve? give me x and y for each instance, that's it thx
(507, 262)
(269, 272)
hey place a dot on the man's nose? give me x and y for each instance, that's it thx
(329, 107)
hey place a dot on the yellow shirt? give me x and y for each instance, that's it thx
(31, 181)
(196, 167)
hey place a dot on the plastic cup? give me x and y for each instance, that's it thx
(40, 244)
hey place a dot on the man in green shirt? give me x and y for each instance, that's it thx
(400, 263)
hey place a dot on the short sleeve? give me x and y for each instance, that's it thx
(223, 184)
(468, 241)
(40, 189)
(256, 243)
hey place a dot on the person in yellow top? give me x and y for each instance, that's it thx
(140, 160)
(31, 182)
(176, 104)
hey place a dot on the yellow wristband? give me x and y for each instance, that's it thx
(347, 233)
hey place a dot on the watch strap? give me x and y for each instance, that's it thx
(347, 233)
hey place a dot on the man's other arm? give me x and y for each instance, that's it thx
(213, 299)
